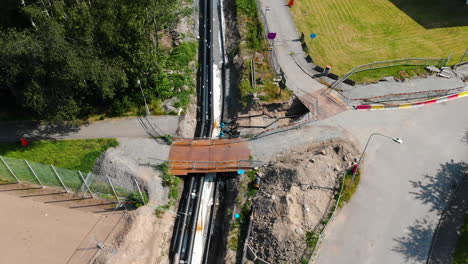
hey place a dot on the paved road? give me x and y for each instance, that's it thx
(393, 214)
(279, 20)
(135, 127)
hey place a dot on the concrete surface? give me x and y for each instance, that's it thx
(403, 188)
(134, 127)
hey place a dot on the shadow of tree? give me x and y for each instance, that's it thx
(416, 243)
(435, 13)
(465, 137)
(49, 130)
(435, 190)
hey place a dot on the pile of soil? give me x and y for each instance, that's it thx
(296, 191)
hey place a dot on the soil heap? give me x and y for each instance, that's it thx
(296, 191)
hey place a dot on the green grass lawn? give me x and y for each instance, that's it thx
(400, 72)
(461, 253)
(69, 154)
(356, 32)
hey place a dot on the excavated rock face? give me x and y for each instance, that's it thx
(296, 191)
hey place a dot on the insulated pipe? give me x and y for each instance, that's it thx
(188, 251)
(182, 224)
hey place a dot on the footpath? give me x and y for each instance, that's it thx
(133, 127)
(288, 54)
(302, 78)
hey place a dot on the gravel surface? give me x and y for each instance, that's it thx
(412, 85)
(188, 121)
(135, 159)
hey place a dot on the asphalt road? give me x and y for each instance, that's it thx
(393, 214)
(287, 48)
(134, 127)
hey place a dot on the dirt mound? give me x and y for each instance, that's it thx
(296, 191)
(131, 161)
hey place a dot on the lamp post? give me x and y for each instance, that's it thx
(394, 139)
(144, 99)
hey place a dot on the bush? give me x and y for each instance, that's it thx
(136, 200)
(349, 187)
(170, 181)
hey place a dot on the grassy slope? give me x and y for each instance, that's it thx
(461, 253)
(69, 154)
(355, 32)
(377, 74)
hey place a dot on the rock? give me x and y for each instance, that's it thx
(345, 158)
(238, 61)
(168, 105)
(184, 88)
(258, 58)
(388, 79)
(312, 160)
(321, 152)
(404, 74)
(432, 68)
(337, 149)
(177, 42)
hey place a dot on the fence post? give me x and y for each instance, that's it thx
(34, 173)
(112, 186)
(461, 60)
(86, 184)
(86, 180)
(9, 169)
(60, 179)
(139, 190)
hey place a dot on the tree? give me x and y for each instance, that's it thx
(67, 59)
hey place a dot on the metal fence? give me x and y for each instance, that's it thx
(388, 98)
(463, 60)
(76, 182)
(390, 63)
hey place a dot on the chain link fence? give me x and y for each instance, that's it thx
(72, 181)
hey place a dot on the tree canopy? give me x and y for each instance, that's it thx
(65, 59)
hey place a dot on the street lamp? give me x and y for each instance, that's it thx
(144, 99)
(394, 139)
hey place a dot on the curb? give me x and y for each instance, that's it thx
(412, 105)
